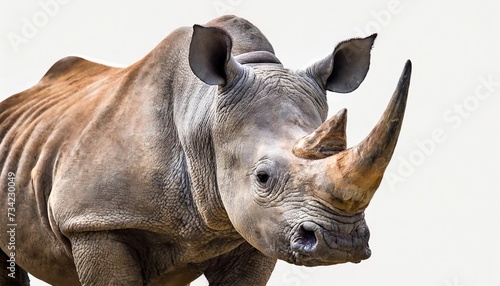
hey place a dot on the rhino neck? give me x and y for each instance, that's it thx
(193, 126)
(183, 106)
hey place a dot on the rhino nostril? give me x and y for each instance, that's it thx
(307, 237)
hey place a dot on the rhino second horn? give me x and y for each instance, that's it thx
(356, 173)
(327, 140)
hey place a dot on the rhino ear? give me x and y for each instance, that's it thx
(210, 55)
(345, 69)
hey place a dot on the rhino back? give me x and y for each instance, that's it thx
(97, 148)
(36, 127)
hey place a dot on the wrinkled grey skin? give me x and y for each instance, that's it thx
(156, 174)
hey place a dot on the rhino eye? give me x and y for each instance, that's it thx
(262, 177)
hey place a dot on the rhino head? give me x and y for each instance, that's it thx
(288, 182)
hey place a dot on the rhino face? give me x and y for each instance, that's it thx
(289, 185)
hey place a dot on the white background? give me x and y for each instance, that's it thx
(436, 217)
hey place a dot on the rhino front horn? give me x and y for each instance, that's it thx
(355, 174)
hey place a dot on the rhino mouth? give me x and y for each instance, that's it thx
(313, 245)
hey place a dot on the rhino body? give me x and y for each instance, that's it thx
(196, 160)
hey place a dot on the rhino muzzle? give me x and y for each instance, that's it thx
(353, 175)
(313, 244)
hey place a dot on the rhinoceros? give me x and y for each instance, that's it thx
(206, 157)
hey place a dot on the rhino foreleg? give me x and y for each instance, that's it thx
(244, 265)
(11, 274)
(102, 258)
